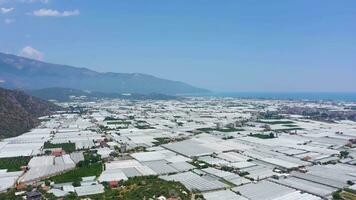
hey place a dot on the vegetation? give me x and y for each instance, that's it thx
(67, 147)
(110, 118)
(137, 149)
(19, 112)
(152, 186)
(350, 190)
(344, 154)
(226, 130)
(144, 127)
(228, 137)
(274, 122)
(76, 174)
(165, 140)
(336, 195)
(263, 136)
(162, 140)
(13, 164)
(270, 115)
(289, 129)
(227, 168)
(118, 123)
(199, 164)
(290, 125)
(243, 173)
(10, 195)
(145, 187)
(346, 193)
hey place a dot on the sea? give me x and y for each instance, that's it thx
(311, 96)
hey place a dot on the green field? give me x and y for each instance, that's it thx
(13, 164)
(67, 147)
(76, 174)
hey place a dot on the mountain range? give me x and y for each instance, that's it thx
(19, 112)
(28, 74)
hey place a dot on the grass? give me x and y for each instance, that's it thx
(67, 147)
(13, 164)
(76, 174)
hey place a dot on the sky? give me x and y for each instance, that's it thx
(221, 45)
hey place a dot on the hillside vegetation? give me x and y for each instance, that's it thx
(19, 112)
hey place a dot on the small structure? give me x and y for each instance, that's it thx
(113, 184)
(161, 198)
(33, 195)
(58, 152)
(20, 186)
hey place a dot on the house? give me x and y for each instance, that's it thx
(34, 195)
(113, 184)
(58, 152)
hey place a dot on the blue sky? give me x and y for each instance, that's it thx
(226, 45)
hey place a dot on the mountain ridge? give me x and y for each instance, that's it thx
(25, 73)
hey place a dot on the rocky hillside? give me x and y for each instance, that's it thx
(19, 112)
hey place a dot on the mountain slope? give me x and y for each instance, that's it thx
(19, 112)
(19, 72)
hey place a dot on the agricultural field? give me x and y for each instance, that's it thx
(67, 147)
(76, 174)
(145, 187)
(13, 164)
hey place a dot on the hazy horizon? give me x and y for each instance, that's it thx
(224, 47)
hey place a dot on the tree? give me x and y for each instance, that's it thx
(344, 154)
(76, 183)
(271, 135)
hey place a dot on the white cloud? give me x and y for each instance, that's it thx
(32, 53)
(54, 13)
(9, 21)
(6, 10)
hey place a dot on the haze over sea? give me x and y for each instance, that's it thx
(314, 96)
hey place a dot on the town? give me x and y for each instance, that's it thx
(185, 148)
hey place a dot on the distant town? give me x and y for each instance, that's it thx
(186, 148)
